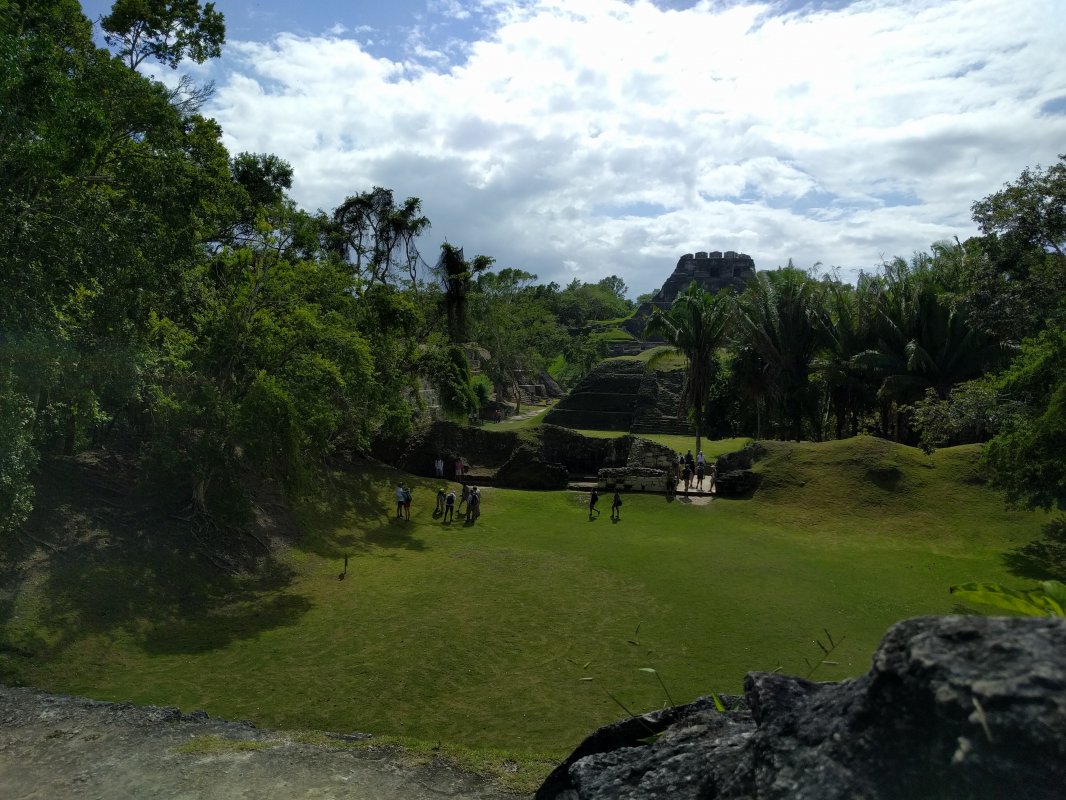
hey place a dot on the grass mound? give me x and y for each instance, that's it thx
(506, 639)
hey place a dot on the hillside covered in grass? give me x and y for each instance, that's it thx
(508, 638)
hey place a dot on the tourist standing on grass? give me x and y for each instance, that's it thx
(449, 506)
(594, 498)
(406, 501)
(464, 499)
(399, 500)
(439, 509)
(616, 506)
(474, 506)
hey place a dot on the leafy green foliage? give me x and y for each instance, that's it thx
(1028, 457)
(1047, 601)
(972, 412)
(513, 321)
(579, 303)
(166, 30)
(17, 458)
(448, 371)
(377, 235)
(695, 326)
(776, 319)
(1029, 211)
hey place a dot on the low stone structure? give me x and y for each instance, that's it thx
(649, 467)
(541, 458)
(953, 707)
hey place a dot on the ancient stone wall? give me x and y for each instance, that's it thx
(650, 467)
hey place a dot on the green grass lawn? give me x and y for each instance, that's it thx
(505, 637)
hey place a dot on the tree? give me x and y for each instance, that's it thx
(378, 235)
(846, 319)
(776, 317)
(513, 321)
(695, 326)
(1031, 210)
(614, 285)
(166, 30)
(455, 273)
(925, 340)
(1028, 456)
(106, 194)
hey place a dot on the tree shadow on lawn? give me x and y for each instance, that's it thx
(122, 565)
(350, 516)
(1043, 559)
(165, 597)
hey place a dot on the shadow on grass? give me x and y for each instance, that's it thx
(1043, 559)
(887, 478)
(163, 593)
(353, 514)
(120, 564)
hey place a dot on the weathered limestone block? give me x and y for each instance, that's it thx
(650, 468)
(953, 707)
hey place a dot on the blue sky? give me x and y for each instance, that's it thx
(582, 138)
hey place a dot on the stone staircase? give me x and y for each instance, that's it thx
(605, 399)
(624, 395)
(657, 405)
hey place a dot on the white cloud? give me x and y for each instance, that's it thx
(833, 136)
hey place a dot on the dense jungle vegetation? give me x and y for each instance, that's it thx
(162, 294)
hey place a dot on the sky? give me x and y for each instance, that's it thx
(587, 138)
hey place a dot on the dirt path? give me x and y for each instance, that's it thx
(54, 747)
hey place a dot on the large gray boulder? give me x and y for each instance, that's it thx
(953, 707)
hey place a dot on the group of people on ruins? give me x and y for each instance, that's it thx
(692, 471)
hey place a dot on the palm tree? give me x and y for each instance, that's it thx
(846, 319)
(695, 326)
(925, 340)
(776, 319)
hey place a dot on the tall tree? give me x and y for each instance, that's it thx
(925, 338)
(776, 317)
(846, 318)
(695, 326)
(1028, 457)
(106, 192)
(378, 235)
(1030, 210)
(455, 274)
(166, 30)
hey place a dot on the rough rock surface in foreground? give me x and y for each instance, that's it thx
(58, 747)
(963, 708)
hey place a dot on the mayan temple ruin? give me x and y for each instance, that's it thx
(712, 271)
(625, 395)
